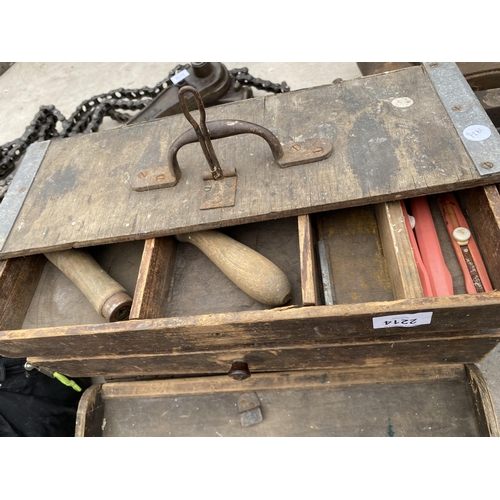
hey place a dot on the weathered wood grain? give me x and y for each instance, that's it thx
(381, 152)
(397, 250)
(358, 267)
(275, 327)
(90, 413)
(308, 269)
(482, 402)
(18, 281)
(373, 353)
(286, 380)
(154, 279)
(387, 401)
(482, 208)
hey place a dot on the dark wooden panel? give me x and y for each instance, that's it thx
(155, 277)
(482, 208)
(389, 402)
(359, 271)
(482, 403)
(18, 281)
(381, 152)
(218, 361)
(283, 326)
(90, 413)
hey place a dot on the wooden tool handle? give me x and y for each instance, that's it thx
(107, 296)
(246, 268)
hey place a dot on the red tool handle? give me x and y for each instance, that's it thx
(430, 250)
(454, 218)
(422, 271)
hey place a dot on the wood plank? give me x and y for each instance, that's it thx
(381, 152)
(397, 250)
(18, 281)
(90, 413)
(394, 401)
(154, 279)
(374, 353)
(282, 326)
(482, 208)
(437, 408)
(308, 271)
(357, 265)
(310, 379)
(483, 403)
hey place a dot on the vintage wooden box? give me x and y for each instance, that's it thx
(336, 229)
(188, 318)
(433, 400)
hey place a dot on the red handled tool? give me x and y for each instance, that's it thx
(422, 271)
(430, 249)
(466, 250)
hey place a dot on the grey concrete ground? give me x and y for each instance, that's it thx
(24, 87)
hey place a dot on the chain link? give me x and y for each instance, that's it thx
(241, 75)
(89, 115)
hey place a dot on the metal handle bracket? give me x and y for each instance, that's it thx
(286, 154)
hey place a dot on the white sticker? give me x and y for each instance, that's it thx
(178, 77)
(477, 132)
(402, 102)
(403, 320)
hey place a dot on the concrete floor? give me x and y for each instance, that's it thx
(24, 87)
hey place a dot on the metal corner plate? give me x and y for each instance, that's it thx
(18, 190)
(478, 134)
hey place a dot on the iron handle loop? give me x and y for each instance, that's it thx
(219, 129)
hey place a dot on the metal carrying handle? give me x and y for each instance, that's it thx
(286, 155)
(218, 129)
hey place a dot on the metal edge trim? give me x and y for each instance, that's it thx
(465, 110)
(18, 190)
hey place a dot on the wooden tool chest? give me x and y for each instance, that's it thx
(450, 400)
(188, 318)
(357, 306)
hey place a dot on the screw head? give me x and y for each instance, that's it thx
(487, 164)
(142, 174)
(317, 151)
(160, 177)
(295, 147)
(457, 107)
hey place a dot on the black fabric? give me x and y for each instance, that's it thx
(35, 405)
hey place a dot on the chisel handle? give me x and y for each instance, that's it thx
(107, 296)
(253, 273)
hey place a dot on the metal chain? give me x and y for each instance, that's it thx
(241, 75)
(89, 115)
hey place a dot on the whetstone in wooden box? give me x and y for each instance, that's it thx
(393, 137)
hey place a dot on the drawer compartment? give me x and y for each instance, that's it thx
(188, 318)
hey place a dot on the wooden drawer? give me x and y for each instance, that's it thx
(188, 318)
(450, 400)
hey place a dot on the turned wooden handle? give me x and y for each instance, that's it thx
(246, 268)
(107, 296)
